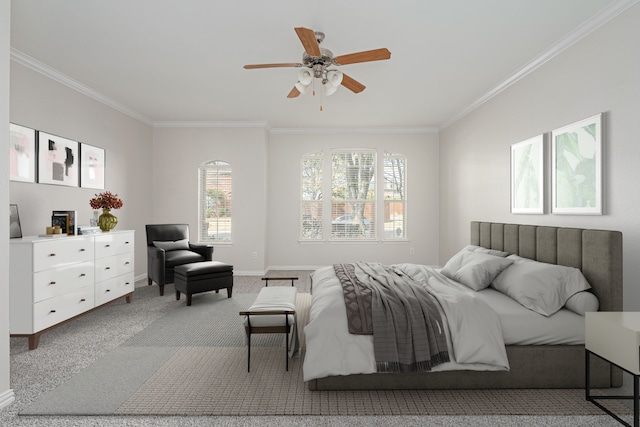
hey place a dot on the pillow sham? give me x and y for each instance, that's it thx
(476, 270)
(583, 302)
(172, 245)
(474, 248)
(541, 287)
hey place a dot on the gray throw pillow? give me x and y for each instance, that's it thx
(172, 245)
(476, 270)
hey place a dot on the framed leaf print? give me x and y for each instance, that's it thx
(576, 167)
(527, 176)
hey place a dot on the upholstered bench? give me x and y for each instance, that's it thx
(273, 312)
(203, 276)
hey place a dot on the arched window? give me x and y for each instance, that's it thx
(214, 211)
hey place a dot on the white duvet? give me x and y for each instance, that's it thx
(473, 328)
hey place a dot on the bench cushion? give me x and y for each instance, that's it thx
(273, 298)
(205, 268)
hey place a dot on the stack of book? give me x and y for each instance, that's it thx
(88, 229)
(65, 220)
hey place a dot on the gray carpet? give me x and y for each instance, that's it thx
(80, 346)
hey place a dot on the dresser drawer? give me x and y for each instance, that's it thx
(58, 309)
(57, 281)
(61, 252)
(113, 244)
(107, 268)
(114, 288)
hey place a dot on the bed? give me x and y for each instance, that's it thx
(596, 253)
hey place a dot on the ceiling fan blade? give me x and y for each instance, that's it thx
(365, 56)
(308, 39)
(294, 93)
(351, 84)
(284, 64)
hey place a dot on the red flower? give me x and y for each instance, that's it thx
(106, 200)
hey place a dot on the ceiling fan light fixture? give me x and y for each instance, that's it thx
(302, 88)
(305, 76)
(334, 78)
(329, 89)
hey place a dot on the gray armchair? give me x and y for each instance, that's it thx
(167, 247)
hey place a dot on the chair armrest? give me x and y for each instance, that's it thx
(156, 253)
(203, 249)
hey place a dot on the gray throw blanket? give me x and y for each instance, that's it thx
(408, 332)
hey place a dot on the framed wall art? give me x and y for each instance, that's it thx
(527, 176)
(22, 153)
(57, 160)
(92, 165)
(576, 168)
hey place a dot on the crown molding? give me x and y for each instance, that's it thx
(212, 124)
(589, 26)
(353, 130)
(37, 66)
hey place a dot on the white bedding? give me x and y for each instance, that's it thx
(521, 326)
(475, 344)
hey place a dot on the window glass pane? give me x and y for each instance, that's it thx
(311, 197)
(215, 202)
(353, 194)
(394, 196)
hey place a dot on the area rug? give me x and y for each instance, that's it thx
(193, 361)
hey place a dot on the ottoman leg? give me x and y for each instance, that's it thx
(161, 289)
(229, 292)
(188, 299)
(177, 295)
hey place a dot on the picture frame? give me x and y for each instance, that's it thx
(576, 168)
(71, 223)
(527, 176)
(57, 160)
(22, 153)
(15, 230)
(92, 166)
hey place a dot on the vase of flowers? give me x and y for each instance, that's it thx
(106, 201)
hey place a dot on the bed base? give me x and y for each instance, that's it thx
(598, 253)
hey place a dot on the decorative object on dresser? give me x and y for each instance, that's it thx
(69, 218)
(106, 201)
(54, 281)
(15, 230)
(168, 246)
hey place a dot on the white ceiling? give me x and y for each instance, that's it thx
(181, 60)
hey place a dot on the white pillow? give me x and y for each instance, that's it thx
(583, 302)
(172, 245)
(541, 287)
(475, 270)
(474, 248)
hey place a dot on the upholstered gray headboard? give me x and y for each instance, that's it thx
(598, 253)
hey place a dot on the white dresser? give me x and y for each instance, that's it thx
(54, 279)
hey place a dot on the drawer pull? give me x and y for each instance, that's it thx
(108, 290)
(82, 274)
(107, 246)
(126, 283)
(126, 243)
(52, 311)
(82, 300)
(52, 254)
(126, 263)
(52, 283)
(82, 250)
(107, 268)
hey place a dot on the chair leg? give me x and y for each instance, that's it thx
(188, 299)
(150, 281)
(161, 289)
(177, 295)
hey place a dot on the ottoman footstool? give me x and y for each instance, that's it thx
(203, 276)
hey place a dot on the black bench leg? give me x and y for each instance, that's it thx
(177, 295)
(248, 352)
(188, 299)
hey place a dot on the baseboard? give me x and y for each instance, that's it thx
(249, 272)
(7, 398)
(295, 267)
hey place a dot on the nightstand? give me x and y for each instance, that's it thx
(615, 337)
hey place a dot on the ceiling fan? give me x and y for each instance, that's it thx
(319, 62)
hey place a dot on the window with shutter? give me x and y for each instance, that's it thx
(311, 197)
(395, 202)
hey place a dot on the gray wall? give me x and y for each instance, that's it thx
(41, 103)
(599, 74)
